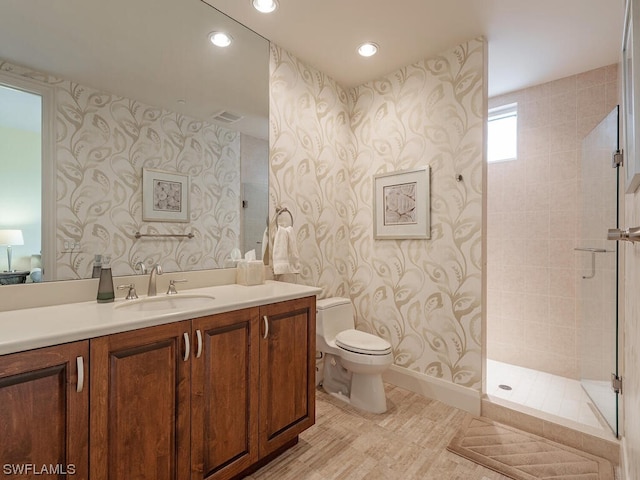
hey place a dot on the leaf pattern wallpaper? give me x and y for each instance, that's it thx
(327, 143)
(310, 146)
(102, 143)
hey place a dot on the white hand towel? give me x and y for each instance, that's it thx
(294, 256)
(265, 243)
(285, 252)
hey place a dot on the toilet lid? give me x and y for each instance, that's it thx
(362, 342)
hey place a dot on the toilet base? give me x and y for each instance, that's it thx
(335, 378)
(367, 393)
(362, 390)
(340, 396)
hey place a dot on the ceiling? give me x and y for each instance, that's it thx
(154, 51)
(529, 41)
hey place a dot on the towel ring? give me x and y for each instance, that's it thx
(280, 211)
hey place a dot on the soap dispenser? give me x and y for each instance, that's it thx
(97, 266)
(105, 286)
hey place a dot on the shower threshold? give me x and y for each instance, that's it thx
(543, 395)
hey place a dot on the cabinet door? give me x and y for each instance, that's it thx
(287, 369)
(140, 404)
(44, 412)
(224, 402)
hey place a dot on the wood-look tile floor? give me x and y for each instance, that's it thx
(407, 442)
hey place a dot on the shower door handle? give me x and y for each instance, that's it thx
(628, 235)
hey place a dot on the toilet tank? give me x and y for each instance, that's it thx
(333, 315)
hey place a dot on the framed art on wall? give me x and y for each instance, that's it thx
(165, 196)
(401, 205)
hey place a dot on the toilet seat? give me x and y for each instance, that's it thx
(357, 341)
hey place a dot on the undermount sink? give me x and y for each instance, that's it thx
(167, 302)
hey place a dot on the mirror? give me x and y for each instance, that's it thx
(126, 86)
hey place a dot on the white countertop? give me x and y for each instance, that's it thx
(30, 328)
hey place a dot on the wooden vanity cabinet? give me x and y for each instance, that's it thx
(253, 386)
(287, 372)
(224, 389)
(140, 402)
(173, 401)
(44, 412)
(204, 399)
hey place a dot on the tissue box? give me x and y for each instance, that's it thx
(250, 272)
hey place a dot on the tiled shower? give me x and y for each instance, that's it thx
(535, 314)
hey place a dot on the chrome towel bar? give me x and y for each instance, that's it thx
(593, 252)
(280, 211)
(165, 235)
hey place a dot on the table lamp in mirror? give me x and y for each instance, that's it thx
(10, 238)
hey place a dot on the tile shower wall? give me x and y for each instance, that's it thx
(424, 296)
(596, 295)
(532, 268)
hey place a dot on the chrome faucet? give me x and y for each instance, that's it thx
(141, 266)
(156, 270)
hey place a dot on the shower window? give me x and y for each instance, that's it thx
(502, 133)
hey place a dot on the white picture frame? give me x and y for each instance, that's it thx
(165, 196)
(631, 96)
(401, 205)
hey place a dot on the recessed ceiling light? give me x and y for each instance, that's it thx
(368, 49)
(265, 6)
(220, 39)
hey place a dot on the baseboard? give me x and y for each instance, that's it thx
(457, 396)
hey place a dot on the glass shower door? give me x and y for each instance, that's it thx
(598, 265)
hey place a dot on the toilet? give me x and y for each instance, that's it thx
(353, 360)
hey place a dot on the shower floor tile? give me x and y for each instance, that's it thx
(551, 394)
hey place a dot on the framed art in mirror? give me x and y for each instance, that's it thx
(402, 204)
(165, 196)
(631, 96)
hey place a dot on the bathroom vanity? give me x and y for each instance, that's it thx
(205, 391)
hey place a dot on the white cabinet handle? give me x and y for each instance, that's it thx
(80, 365)
(199, 337)
(187, 346)
(266, 326)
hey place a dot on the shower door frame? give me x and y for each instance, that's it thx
(594, 395)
